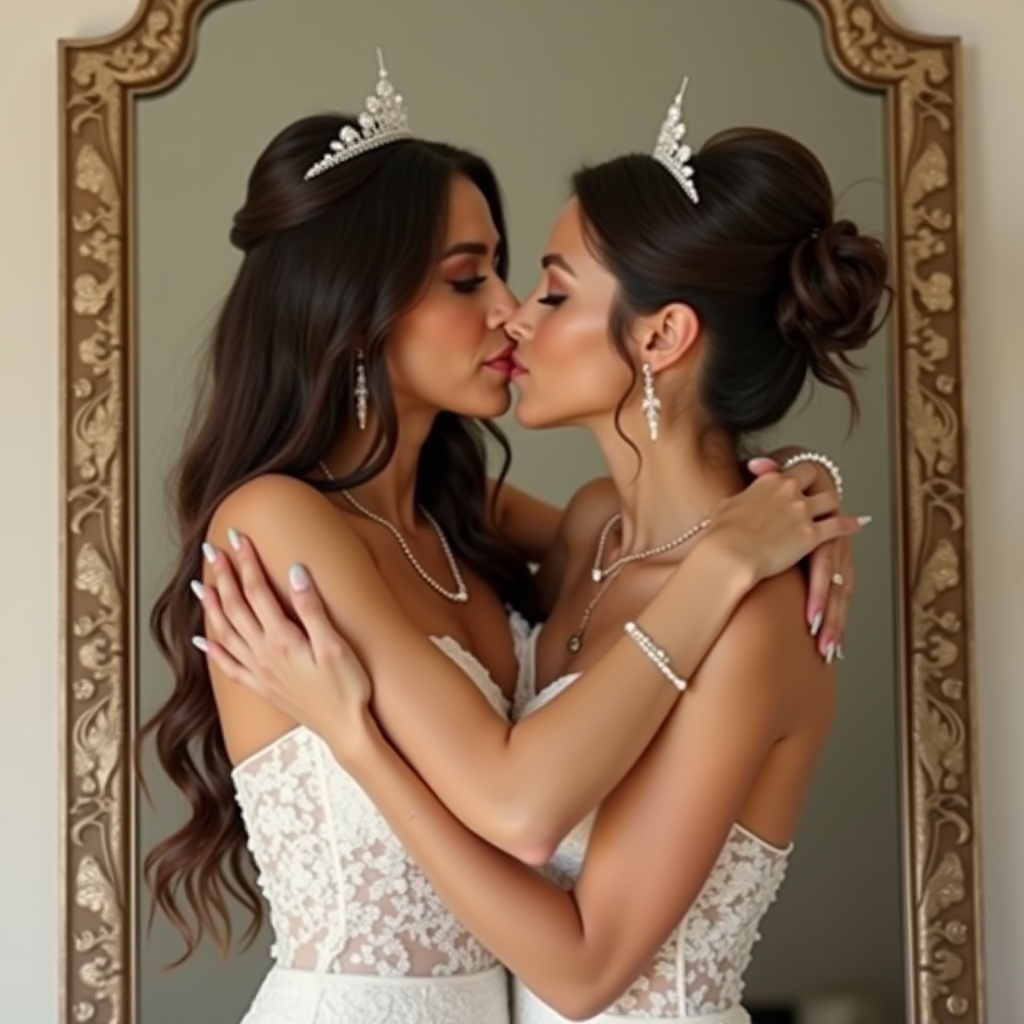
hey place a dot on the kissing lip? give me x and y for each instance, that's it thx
(504, 361)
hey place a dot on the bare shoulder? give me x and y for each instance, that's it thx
(289, 522)
(766, 652)
(771, 612)
(588, 511)
(274, 509)
(266, 499)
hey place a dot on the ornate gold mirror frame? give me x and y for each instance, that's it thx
(100, 80)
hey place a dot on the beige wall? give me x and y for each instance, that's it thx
(28, 471)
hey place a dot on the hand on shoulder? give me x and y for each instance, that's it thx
(274, 511)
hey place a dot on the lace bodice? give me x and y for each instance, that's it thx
(344, 896)
(699, 970)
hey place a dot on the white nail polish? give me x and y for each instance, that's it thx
(209, 553)
(816, 623)
(234, 538)
(830, 653)
(198, 589)
(865, 520)
(839, 653)
(200, 643)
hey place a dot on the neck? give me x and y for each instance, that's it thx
(676, 484)
(392, 493)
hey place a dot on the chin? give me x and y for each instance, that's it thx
(529, 416)
(485, 406)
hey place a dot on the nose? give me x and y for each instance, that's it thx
(503, 306)
(519, 326)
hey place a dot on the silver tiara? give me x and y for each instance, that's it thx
(384, 120)
(671, 152)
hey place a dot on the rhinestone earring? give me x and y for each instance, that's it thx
(651, 403)
(362, 392)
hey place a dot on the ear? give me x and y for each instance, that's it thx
(668, 336)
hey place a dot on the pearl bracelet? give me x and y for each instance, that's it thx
(820, 460)
(655, 653)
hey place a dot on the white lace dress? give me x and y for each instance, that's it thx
(697, 976)
(360, 935)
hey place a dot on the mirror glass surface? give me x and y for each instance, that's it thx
(538, 87)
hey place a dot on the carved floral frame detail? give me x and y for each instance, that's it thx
(99, 80)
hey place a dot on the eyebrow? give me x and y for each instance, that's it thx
(552, 259)
(465, 249)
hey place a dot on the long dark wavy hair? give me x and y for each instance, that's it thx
(329, 266)
(783, 290)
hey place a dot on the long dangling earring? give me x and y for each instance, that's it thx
(362, 392)
(651, 403)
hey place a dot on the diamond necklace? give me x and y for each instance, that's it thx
(609, 575)
(460, 595)
(597, 573)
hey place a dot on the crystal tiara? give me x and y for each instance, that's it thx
(671, 152)
(383, 120)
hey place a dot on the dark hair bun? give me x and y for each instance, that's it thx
(834, 302)
(781, 288)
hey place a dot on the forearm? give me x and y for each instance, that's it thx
(527, 791)
(534, 927)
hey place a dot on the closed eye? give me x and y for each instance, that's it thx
(467, 285)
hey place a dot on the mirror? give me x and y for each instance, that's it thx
(878, 915)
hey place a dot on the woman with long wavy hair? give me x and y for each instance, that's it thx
(355, 365)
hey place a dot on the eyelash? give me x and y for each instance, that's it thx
(467, 285)
(552, 300)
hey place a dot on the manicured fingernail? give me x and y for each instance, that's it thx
(298, 578)
(865, 520)
(235, 538)
(209, 553)
(839, 653)
(816, 623)
(200, 642)
(830, 653)
(198, 589)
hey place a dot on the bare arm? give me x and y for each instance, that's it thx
(538, 529)
(438, 718)
(586, 739)
(656, 838)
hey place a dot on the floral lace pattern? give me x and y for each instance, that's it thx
(699, 971)
(717, 936)
(346, 901)
(281, 795)
(293, 997)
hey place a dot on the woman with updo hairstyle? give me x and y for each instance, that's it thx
(781, 290)
(356, 363)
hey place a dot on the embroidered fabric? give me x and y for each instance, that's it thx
(306, 997)
(347, 902)
(698, 973)
(530, 1009)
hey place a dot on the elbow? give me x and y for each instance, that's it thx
(579, 1000)
(533, 852)
(530, 836)
(577, 1007)
(530, 846)
(580, 979)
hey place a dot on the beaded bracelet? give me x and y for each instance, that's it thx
(821, 460)
(655, 653)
